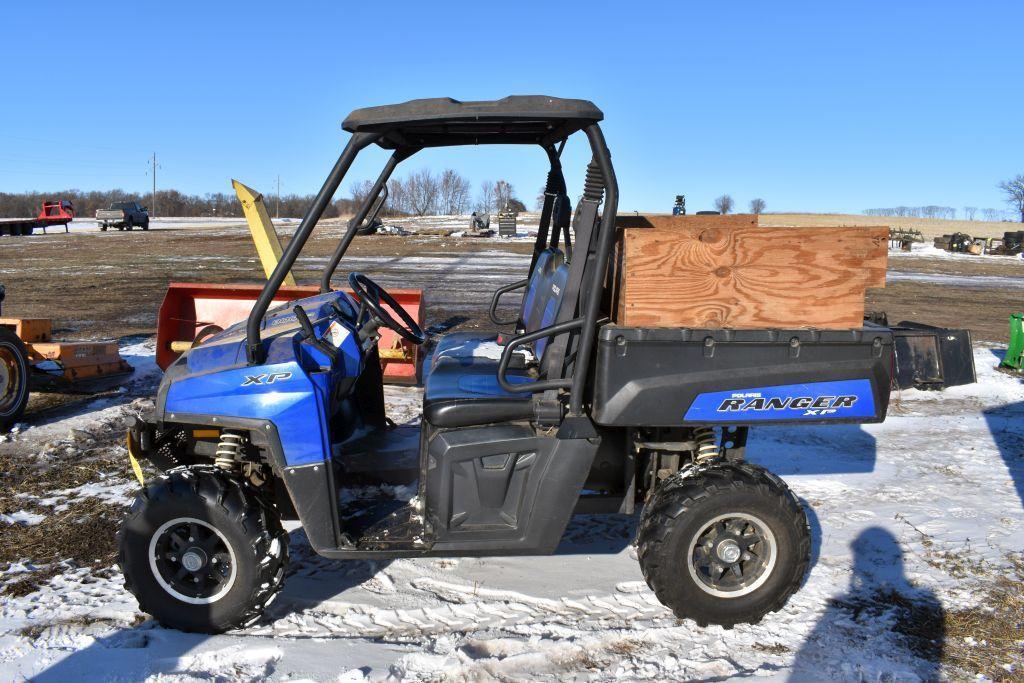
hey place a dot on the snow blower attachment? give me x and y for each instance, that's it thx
(637, 362)
(193, 311)
(31, 360)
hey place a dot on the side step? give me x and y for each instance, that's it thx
(403, 529)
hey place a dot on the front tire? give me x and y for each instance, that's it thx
(14, 374)
(724, 545)
(202, 551)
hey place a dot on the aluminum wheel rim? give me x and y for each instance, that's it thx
(10, 380)
(176, 548)
(714, 545)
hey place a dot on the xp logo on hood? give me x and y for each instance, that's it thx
(813, 401)
(265, 378)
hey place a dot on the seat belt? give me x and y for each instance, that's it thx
(584, 223)
(561, 218)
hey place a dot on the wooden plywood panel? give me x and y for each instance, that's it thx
(726, 271)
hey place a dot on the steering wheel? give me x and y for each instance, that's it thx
(372, 295)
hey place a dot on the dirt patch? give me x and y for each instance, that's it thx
(985, 312)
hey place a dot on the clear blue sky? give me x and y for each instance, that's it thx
(816, 106)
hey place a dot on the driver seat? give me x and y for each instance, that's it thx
(461, 391)
(474, 343)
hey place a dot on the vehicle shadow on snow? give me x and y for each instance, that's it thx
(881, 628)
(1006, 423)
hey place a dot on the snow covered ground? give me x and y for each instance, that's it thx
(890, 504)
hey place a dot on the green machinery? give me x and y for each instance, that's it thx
(1015, 352)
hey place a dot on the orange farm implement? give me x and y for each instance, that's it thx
(31, 360)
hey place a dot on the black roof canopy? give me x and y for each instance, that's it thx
(442, 121)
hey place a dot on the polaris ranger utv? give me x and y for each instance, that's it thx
(256, 424)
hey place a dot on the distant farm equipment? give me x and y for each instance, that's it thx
(904, 238)
(479, 222)
(962, 243)
(60, 212)
(507, 218)
(679, 208)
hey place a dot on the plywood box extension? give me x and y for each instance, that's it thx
(728, 272)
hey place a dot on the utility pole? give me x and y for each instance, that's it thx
(277, 207)
(154, 184)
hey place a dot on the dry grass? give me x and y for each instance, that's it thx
(34, 631)
(988, 639)
(80, 535)
(773, 649)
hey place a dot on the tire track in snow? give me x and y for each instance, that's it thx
(467, 612)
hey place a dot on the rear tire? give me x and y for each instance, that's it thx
(202, 551)
(14, 374)
(694, 525)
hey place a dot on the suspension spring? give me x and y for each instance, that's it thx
(229, 450)
(706, 446)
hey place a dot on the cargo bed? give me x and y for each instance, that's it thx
(667, 377)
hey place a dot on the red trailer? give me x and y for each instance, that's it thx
(52, 213)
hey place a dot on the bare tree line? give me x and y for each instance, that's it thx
(420, 193)
(423, 193)
(169, 202)
(970, 212)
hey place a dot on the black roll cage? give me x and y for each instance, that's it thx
(586, 321)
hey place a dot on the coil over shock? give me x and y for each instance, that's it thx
(229, 450)
(706, 446)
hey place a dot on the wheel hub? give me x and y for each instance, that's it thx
(728, 551)
(194, 559)
(732, 555)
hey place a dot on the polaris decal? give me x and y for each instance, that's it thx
(812, 401)
(265, 378)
